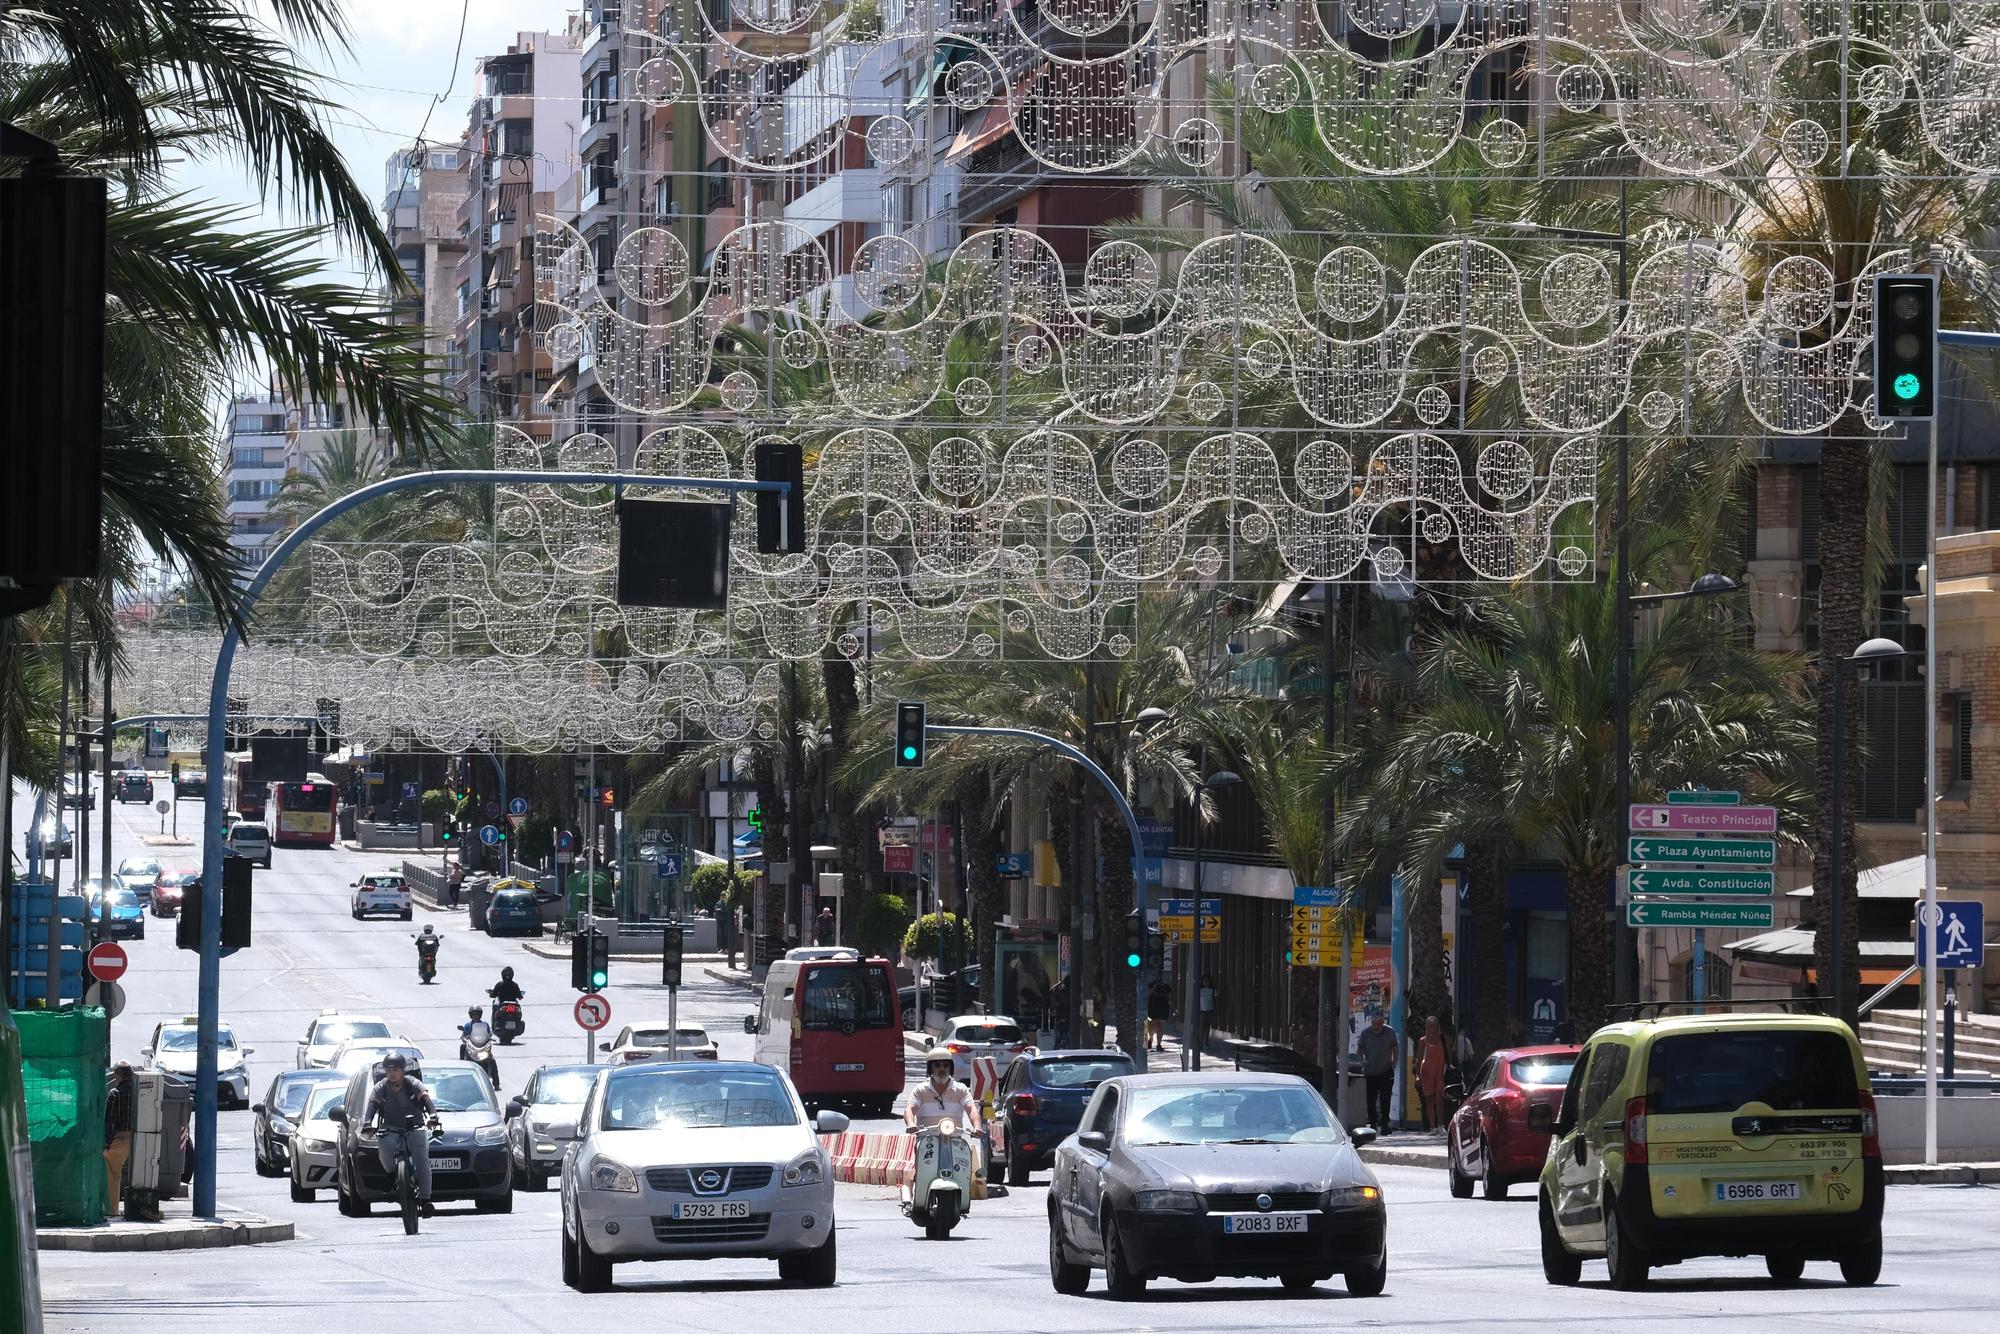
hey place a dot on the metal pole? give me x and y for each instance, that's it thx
(209, 984)
(63, 733)
(1090, 766)
(1328, 1018)
(1624, 967)
(1929, 914)
(1191, 1021)
(104, 783)
(1698, 991)
(1830, 905)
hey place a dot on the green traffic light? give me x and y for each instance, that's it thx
(1907, 386)
(599, 978)
(909, 752)
(1133, 961)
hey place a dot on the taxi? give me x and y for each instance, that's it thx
(1714, 1134)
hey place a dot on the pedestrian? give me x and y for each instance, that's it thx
(1205, 999)
(824, 931)
(117, 1133)
(1377, 1048)
(1159, 1008)
(725, 926)
(1430, 1073)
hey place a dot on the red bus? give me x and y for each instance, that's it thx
(239, 793)
(304, 813)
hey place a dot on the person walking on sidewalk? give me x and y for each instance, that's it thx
(1159, 1008)
(1377, 1048)
(117, 1133)
(1430, 1073)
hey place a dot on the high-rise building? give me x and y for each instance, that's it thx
(253, 469)
(423, 187)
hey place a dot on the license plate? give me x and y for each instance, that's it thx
(1241, 1223)
(1753, 1192)
(851, 1067)
(447, 1164)
(718, 1209)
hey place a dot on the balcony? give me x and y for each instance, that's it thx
(996, 177)
(854, 195)
(602, 194)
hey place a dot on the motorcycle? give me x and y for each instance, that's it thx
(508, 1021)
(427, 961)
(480, 1053)
(940, 1193)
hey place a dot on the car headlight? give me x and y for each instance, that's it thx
(315, 1145)
(606, 1174)
(805, 1170)
(1168, 1201)
(281, 1127)
(490, 1135)
(1353, 1197)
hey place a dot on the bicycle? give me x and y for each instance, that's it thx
(406, 1177)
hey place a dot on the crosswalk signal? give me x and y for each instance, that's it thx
(1906, 346)
(910, 735)
(236, 881)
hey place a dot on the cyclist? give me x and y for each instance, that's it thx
(402, 1103)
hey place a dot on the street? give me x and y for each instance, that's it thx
(1459, 1263)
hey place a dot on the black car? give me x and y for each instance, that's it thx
(191, 784)
(1041, 1101)
(469, 1160)
(133, 785)
(273, 1120)
(951, 992)
(1203, 1176)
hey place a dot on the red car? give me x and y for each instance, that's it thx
(171, 889)
(1490, 1141)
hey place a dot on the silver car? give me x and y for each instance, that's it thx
(330, 1028)
(541, 1123)
(316, 1141)
(693, 1160)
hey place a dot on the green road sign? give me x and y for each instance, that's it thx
(1703, 797)
(1702, 851)
(1702, 882)
(1654, 912)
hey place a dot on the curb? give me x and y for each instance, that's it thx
(1432, 1158)
(733, 979)
(249, 1230)
(1944, 1174)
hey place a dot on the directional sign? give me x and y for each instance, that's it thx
(1667, 912)
(489, 835)
(1958, 932)
(1013, 866)
(1706, 819)
(1316, 896)
(668, 865)
(1180, 930)
(565, 842)
(1185, 908)
(106, 961)
(1703, 882)
(1691, 796)
(1702, 851)
(593, 1012)
(517, 806)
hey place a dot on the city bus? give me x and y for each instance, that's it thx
(239, 793)
(304, 813)
(829, 1019)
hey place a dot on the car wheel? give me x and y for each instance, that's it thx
(1785, 1269)
(814, 1269)
(407, 914)
(1299, 1284)
(499, 1204)
(1625, 1261)
(265, 1167)
(1559, 1266)
(1367, 1282)
(571, 1278)
(1861, 1264)
(350, 1206)
(1492, 1185)
(1065, 1275)
(141, 935)
(1119, 1279)
(356, 914)
(593, 1271)
(302, 1194)
(1461, 1184)
(1017, 1166)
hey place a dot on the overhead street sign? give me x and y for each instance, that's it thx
(1692, 819)
(1689, 796)
(1668, 912)
(1702, 882)
(1957, 931)
(1641, 848)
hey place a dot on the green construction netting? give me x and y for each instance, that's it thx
(64, 1054)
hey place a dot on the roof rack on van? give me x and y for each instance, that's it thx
(1656, 1009)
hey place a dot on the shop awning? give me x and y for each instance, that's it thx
(992, 124)
(1892, 880)
(949, 52)
(750, 838)
(1794, 945)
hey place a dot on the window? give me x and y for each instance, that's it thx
(1607, 1068)
(1486, 1075)
(841, 999)
(718, 184)
(1784, 1069)
(1543, 1071)
(1104, 1112)
(1961, 733)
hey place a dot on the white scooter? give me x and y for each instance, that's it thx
(940, 1193)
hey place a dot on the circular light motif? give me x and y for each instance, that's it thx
(1433, 405)
(1805, 143)
(1140, 469)
(1119, 644)
(1573, 561)
(565, 341)
(1489, 364)
(799, 349)
(1033, 354)
(1658, 410)
(1204, 399)
(1254, 527)
(1120, 278)
(983, 645)
(891, 140)
(1502, 142)
(1207, 562)
(973, 396)
(888, 273)
(739, 391)
(1263, 358)
(969, 86)
(1798, 293)
(1436, 528)
(1580, 87)
(1576, 289)
(1069, 578)
(1324, 470)
(1198, 142)
(651, 266)
(959, 467)
(1505, 469)
(1349, 284)
(659, 82)
(1882, 88)
(1275, 88)
(1071, 526)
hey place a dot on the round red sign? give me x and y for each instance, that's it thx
(106, 961)
(593, 1012)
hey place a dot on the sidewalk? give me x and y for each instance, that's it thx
(181, 1231)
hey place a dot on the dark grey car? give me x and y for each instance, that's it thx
(273, 1119)
(1202, 1176)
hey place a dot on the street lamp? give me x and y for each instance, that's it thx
(1191, 1019)
(1831, 908)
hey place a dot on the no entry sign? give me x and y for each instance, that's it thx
(592, 1012)
(106, 961)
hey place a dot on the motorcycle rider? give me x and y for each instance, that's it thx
(506, 989)
(428, 941)
(474, 1036)
(940, 1096)
(403, 1102)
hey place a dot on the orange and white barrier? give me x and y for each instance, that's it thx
(886, 1160)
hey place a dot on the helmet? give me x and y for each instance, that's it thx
(472, 1011)
(938, 1054)
(395, 1061)
(429, 930)
(507, 974)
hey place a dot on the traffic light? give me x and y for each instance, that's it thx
(590, 960)
(1156, 950)
(910, 735)
(236, 875)
(781, 461)
(606, 798)
(1135, 940)
(449, 832)
(1906, 345)
(187, 926)
(670, 956)
(174, 771)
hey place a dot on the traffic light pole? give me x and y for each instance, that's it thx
(1090, 766)
(209, 985)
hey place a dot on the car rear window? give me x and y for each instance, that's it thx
(988, 1033)
(1079, 1072)
(243, 829)
(1784, 1069)
(1543, 1070)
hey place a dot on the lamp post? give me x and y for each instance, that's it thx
(1833, 909)
(1084, 965)
(1191, 1019)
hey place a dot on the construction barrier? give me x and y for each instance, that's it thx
(888, 1160)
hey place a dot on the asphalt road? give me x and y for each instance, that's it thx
(1463, 1264)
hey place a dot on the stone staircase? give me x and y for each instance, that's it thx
(1893, 1041)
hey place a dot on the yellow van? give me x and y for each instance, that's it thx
(1714, 1134)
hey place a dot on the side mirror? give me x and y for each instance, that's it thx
(249, 1051)
(145, 1051)
(830, 1123)
(257, 1107)
(1094, 1140)
(604, 1046)
(1542, 1118)
(1361, 1135)
(514, 1108)
(749, 1023)
(337, 1115)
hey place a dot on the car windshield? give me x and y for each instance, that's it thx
(138, 868)
(987, 1033)
(1544, 1070)
(459, 1091)
(180, 878)
(565, 1086)
(292, 1094)
(324, 1098)
(639, 1098)
(1077, 1072)
(121, 898)
(333, 1032)
(1227, 1114)
(842, 998)
(249, 831)
(187, 1039)
(1783, 1069)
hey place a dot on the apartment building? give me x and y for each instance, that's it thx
(422, 190)
(257, 442)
